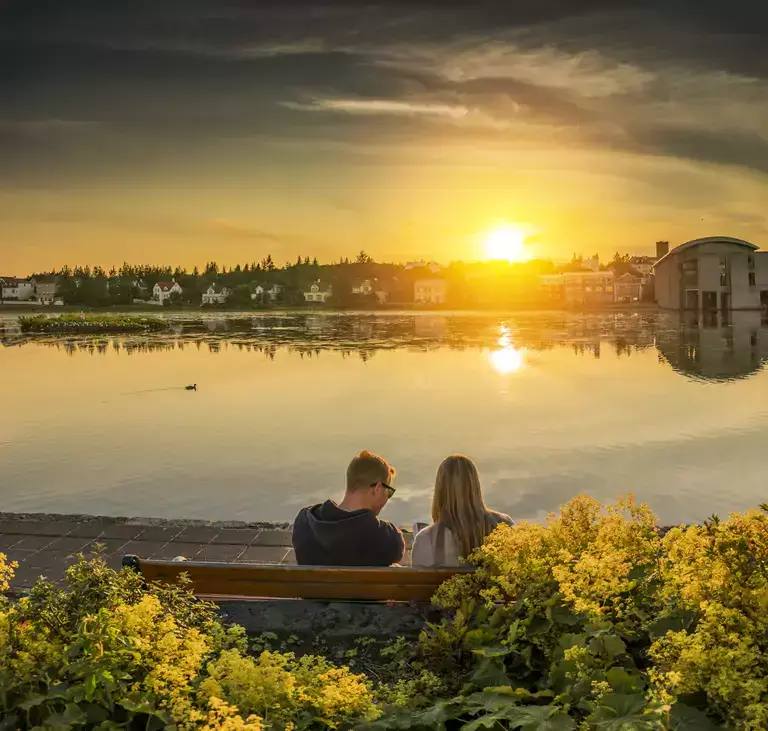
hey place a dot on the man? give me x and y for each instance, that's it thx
(350, 533)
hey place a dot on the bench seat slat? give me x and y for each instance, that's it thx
(301, 582)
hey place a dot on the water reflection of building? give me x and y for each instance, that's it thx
(716, 346)
(428, 326)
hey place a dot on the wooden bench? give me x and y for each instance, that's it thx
(238, 582)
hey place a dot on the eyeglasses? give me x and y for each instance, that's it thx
(390, 490)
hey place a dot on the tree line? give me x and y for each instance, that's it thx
(467, 283)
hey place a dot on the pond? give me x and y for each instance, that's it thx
(547, 404)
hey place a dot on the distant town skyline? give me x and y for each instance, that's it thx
(162, 132)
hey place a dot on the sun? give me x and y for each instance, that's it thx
(507, 242)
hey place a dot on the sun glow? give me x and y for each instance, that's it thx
(508, 359)
(507, 242)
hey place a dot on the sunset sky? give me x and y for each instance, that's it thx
(177, 132)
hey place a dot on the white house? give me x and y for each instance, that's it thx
(717, 272)
(364, 288)
(216, 295)
(430, 291)
(162, 291)
(13, 288)
(273, 291)
(318, 292)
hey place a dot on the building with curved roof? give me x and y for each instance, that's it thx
(716, 272)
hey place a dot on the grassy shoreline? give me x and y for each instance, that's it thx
(69, 323)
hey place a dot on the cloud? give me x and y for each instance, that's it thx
(380, 106)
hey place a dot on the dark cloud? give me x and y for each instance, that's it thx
(724, 148)
(166, 77)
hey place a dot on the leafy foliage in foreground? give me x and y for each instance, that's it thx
(592, 622)
(595, 621)
(110, 653)
(85, 323)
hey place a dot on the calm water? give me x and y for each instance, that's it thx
(548, 405)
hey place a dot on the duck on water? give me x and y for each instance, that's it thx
(193, 387)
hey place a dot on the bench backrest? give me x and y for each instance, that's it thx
(252, 581)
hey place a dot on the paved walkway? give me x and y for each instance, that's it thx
(44, 545)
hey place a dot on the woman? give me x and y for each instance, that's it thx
(460, 520)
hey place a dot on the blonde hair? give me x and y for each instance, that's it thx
(458, 505)
(367, 468)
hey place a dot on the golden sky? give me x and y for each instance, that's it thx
(178, 133)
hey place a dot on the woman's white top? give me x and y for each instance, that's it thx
(425, 549)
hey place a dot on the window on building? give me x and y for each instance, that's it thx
(751, 279)
(751, 262)
(723, 279)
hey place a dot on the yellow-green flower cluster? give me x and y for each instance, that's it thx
(696, 599)
(147, 658)
(718, 573)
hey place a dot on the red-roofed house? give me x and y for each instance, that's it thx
(163, 290)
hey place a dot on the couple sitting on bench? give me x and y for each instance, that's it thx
(351, 534)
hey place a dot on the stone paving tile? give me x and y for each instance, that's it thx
(108, 546)
(18, 554)
(14, 527)
(126, 532)
(171, 550)
(142, 549)
(91, 529)
(6, 541)
(239, 536)
(273, 538)
(43, 559)
(198, 534)
(51, 528)
(35, 543)
(263, 554)
(69, 544)
(224, 553)
(289, 558)
(161, 534)
(26, 576)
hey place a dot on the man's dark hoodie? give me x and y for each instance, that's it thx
(326, 535)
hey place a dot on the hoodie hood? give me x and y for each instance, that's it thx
(333, 528)
(326, 535)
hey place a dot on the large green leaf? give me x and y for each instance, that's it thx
(543, 718)
(607, 644)
(490, 672)
(676, 623)
(623, 681)
(563, 615)
(624, 712)
(525, 718)
(492, 700)
(687, 718)
(539, 625)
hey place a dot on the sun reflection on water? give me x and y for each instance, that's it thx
(508, 359)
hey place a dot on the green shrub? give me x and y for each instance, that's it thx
(112, 653)
(596, 621)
